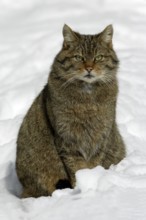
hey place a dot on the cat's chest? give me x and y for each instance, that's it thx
(82, 113)
(82, 126)
(79, 122)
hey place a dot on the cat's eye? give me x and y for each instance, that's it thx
(99, 58)
(79, 58)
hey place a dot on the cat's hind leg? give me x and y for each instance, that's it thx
(31, 192)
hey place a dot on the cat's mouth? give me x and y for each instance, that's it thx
(89, 76)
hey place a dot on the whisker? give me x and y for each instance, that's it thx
(107, 81)
(67, 83)
(67, 76)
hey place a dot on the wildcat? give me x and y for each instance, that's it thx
(71, 125)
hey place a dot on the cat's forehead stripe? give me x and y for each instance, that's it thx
(88, 44)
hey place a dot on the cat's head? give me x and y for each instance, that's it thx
(88, 58)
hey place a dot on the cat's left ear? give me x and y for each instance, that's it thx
(69, 35)
(107, 35)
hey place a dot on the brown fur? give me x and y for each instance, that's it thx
(71, 124)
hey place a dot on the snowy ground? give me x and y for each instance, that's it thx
(30, 36)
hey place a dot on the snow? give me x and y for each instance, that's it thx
(30, 36)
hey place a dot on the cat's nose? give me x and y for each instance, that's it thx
(89, 68)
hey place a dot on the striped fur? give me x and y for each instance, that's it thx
(71, 125)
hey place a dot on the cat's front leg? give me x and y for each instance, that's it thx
(72, 164)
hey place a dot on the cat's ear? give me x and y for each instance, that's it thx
(69, 35)
(107, 34)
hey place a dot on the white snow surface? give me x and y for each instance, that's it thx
(30, 36)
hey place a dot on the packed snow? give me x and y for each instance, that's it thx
(30, 36)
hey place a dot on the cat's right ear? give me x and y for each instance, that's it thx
(69, 36)
(106, 35)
